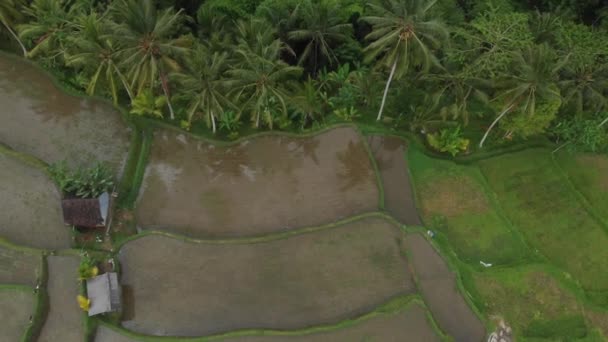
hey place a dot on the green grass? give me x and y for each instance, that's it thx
(543, 206)
(533, 302)
(453, 201)
(588, 173)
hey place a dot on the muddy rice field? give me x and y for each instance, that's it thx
(305, 280)
(273, 237)
(258, 186)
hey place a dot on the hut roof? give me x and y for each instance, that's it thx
(86, 212)
(105, 293)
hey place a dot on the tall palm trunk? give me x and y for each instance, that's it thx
(388, 84)
(213, 122)
(16, 38)
(485, 136)
(165, 86)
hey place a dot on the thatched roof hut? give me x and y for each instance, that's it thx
(86, 212)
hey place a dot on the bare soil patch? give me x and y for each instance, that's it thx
(195, 289)
(451, 196)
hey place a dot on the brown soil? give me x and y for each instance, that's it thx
(438, 286)
(16, 308)
(451, 196)
(597, 162)
(599, 319)
(64, 321)
(268, 184)
(190, 289)
(31, 207)
(389, 154)
(41, 120)
(18, 267)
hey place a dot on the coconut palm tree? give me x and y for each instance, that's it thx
(49, 26)
(531, 80)
(89, 48)
(306, 102)
(148, 49)
(261, 79)
(9, 15)
(403, 37)
(203, 83)
(583, 86)
(321, 28)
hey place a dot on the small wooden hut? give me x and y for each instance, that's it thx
(87, 212)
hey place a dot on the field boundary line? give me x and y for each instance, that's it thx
(579, 195)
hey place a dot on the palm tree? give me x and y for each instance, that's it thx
(50, 24)
(306, 102)
(262, 79)
(583, 88)
(322, 28)
(91, 49)
(9, 14)
(532, 79)
(204, 84)
(402, 37)
(148, 48)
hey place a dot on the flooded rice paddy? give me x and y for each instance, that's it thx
(266, 184)
(31, 207)
(193, 289)
(19, 268)
(409, 325)
(16, 308)
(389, 153)
(41, 120)
(65, 320)
(438, 286)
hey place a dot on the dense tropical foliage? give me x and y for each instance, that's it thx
(500, 69)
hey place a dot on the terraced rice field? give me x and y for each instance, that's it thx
(539, 201)
(31, 207)
(454, 201)
(389, 154)
(411, 323)
(39, 119)
(18, 267)
(193, 289)
(16, 308)
(64, 321)
(438, 286)
(258, 186)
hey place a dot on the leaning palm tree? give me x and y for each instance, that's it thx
(402, 37)
(321, 29)
(204, 85)
(9, 14)
(148, 48)
(531, 80)
(261, 80)
(88, 47)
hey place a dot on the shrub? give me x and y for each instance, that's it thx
(87, 268)
(83, 183)
(448, 140)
